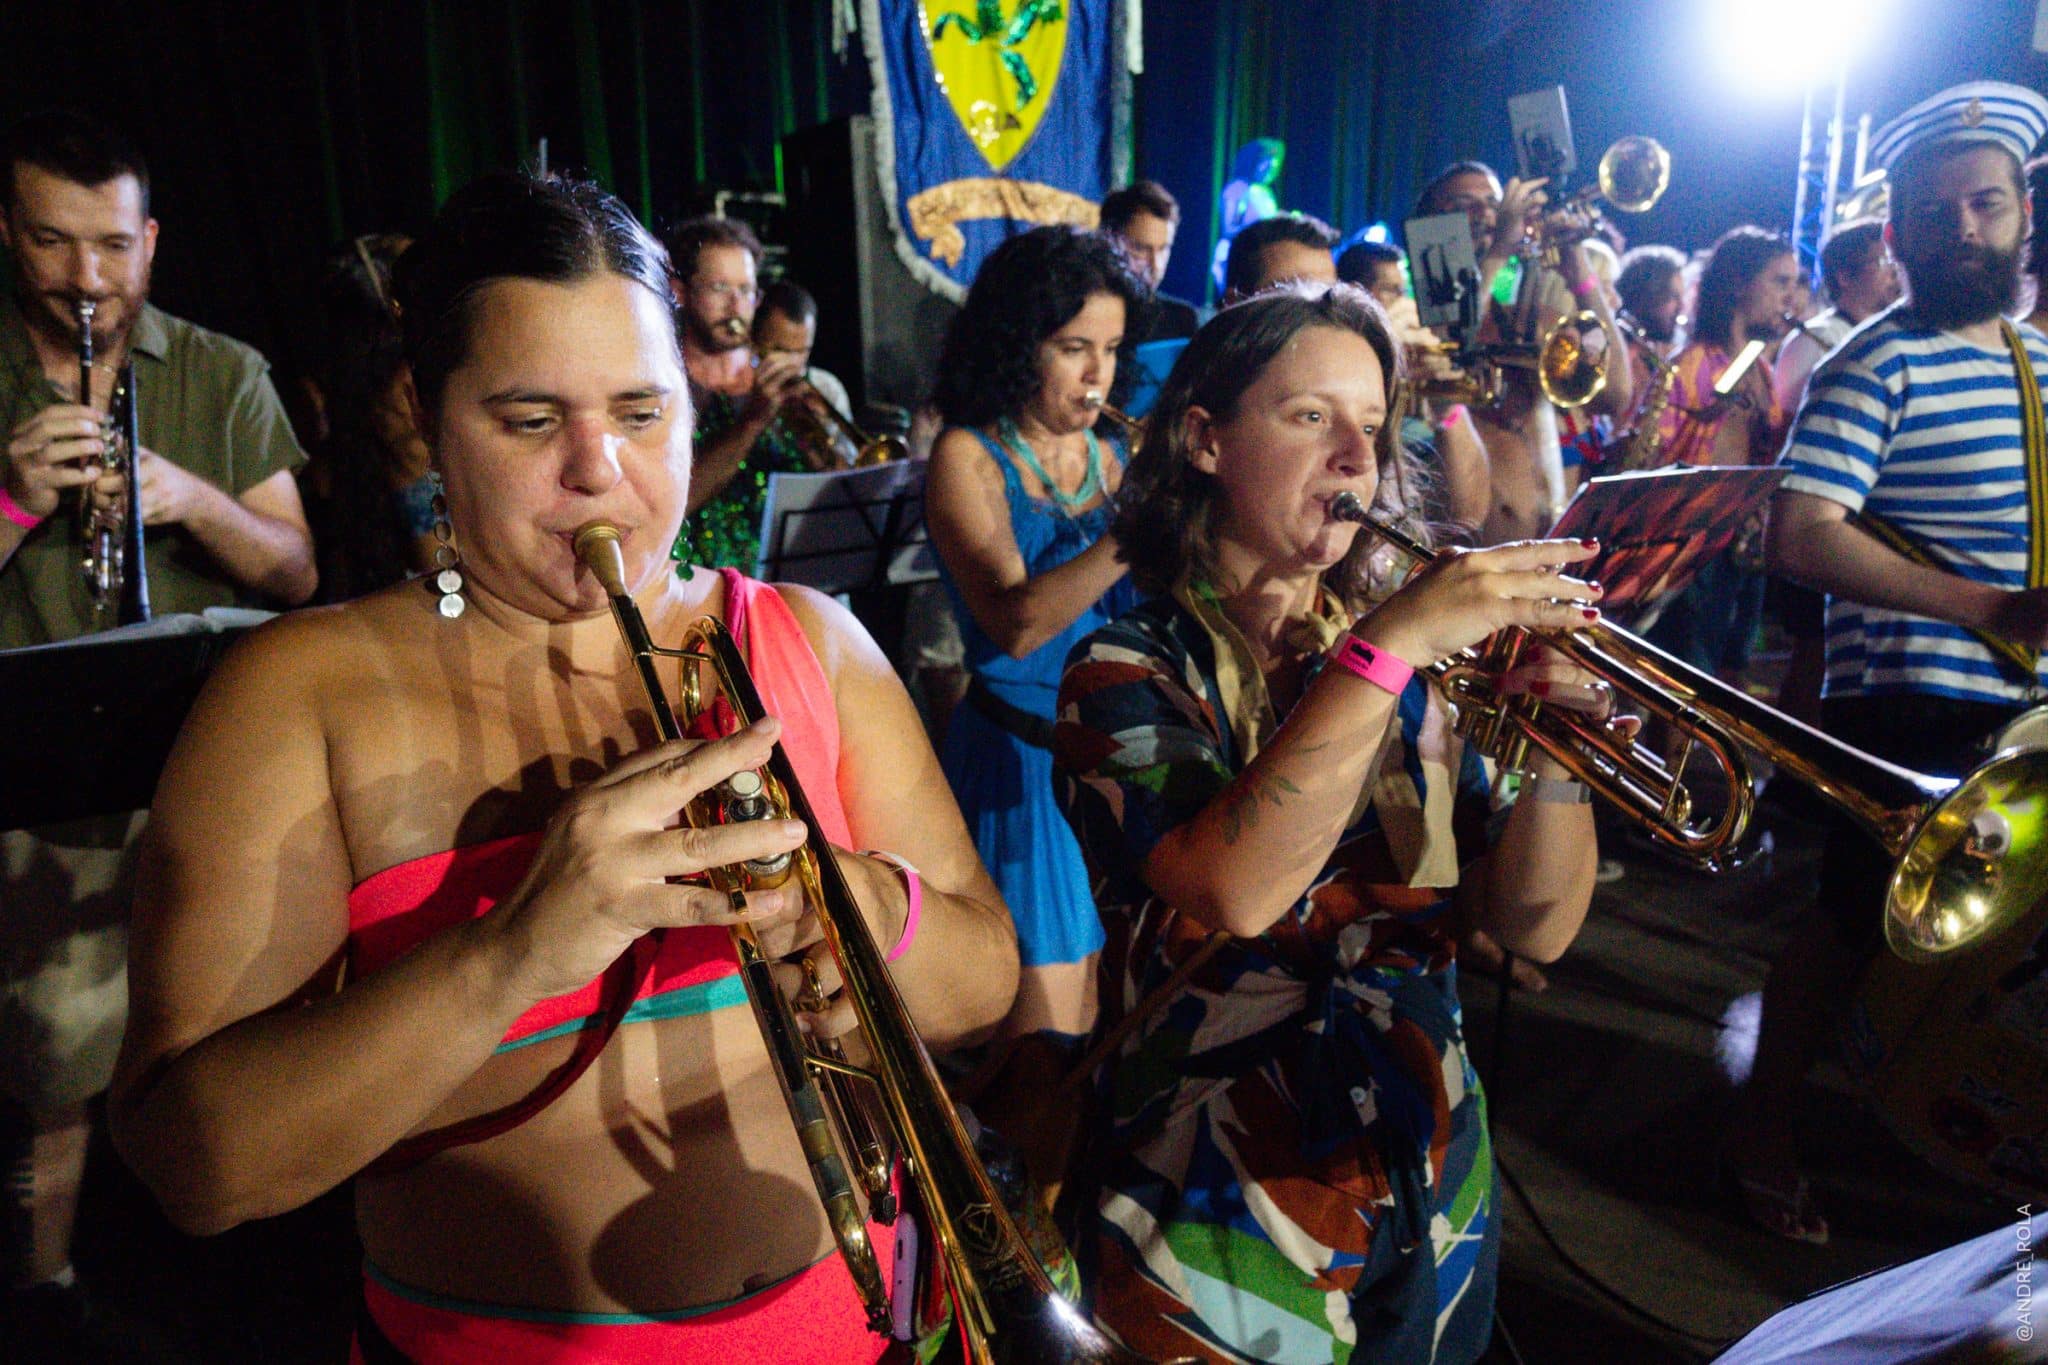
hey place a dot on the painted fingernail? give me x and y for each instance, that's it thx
(1590, 613)
(1539, 689)
(1591, 542)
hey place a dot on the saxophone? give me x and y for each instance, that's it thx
(1642, 445)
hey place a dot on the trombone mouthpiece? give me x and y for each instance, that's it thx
(1347, 507)
(597, 546)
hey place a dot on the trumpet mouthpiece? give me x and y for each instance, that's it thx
(1347, 507)
(1093, 399)
(597, 546)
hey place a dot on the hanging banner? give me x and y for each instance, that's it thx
(992, 117)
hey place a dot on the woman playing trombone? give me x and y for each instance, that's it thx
(448, 794)
(1292, 1142)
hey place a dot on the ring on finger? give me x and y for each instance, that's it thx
(811, 1000)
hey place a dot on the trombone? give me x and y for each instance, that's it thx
(1005, 1307)
(1969, 855)
(833, 441)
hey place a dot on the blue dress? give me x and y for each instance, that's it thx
(1004, 785)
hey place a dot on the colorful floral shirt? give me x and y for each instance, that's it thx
(1296, 1165)
(1693, 419)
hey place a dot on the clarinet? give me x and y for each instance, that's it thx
(113, 566)
(134, 606)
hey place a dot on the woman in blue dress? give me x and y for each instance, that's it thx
(1018, 500)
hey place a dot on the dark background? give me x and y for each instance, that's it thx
(277, 130)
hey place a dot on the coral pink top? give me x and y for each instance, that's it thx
(694, 970)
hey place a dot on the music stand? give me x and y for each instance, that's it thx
(1659, 527)
(95, 716)
(855, 531)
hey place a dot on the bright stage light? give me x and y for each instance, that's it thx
(1775, 48)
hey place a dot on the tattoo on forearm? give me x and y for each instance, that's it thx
(1242, 809)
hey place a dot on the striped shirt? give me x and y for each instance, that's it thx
(1922, 429)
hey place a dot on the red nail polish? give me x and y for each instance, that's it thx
(1595, 586)
(1591, 613)
(1539, 689)
(1591, 542)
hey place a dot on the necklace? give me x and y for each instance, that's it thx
(1091, 484)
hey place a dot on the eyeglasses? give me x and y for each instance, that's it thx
(719, 289)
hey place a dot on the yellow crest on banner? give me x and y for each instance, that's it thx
(997, 63)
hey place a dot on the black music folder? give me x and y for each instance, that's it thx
(91, 720)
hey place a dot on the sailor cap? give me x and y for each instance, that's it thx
(1992, 112)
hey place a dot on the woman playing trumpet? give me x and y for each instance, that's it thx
(1292, 1143)
(463, 811)
(1018, 499)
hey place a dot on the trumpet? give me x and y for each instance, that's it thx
(1969, 855)
(833, 441)
(1571, 372)
(1632, 176)
(115, 573)
(1132, 429)
(1006, 1308)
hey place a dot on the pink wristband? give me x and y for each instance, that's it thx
(1452, 415)
(16, 513)
(913, 890)
(1584, 287)
(1370, 662)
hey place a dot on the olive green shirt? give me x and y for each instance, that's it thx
(204, 402)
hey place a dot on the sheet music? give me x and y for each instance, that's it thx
(847, 530)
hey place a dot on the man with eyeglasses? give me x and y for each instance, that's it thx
(738, 442)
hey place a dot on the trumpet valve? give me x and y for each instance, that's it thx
(746, 796)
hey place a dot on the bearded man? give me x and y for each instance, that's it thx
(1913, 478)
(223, 526)
(736, 394)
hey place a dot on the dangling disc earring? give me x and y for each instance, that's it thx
(447, 562)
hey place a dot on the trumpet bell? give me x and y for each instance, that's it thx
(1975, 863)
(1571, 367)
(1634, 173)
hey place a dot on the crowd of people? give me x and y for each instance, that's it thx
(1176, 853)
